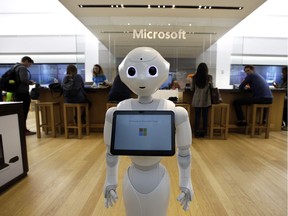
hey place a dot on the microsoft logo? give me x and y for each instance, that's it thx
(142, 131)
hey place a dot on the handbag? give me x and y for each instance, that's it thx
(35, 92)
(215, 96)
(56, 88)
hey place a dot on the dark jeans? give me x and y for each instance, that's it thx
(201, 111)
(248, 101)
(25, 98)
(86, 100)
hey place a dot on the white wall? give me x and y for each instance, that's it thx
(260, 39)
(47, 32)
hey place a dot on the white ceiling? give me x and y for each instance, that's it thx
(205, 26)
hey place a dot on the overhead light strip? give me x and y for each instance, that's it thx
(121, 6)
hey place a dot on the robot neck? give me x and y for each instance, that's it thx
(145, 99)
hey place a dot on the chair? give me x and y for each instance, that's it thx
(48, 117)
(257, 121)
(77, 125)
(222, 118)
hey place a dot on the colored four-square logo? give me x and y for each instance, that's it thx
(142, 131)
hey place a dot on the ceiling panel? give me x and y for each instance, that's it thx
(203, 26)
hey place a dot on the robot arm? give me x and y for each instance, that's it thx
(112, 161)
(184, 141)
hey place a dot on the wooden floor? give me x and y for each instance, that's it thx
(238, 176)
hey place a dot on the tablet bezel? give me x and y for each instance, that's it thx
(137, 152)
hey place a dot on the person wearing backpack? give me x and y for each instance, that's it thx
(22, 91)
(73, 89)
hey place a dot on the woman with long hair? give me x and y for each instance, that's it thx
(201, 84)
(98, 75)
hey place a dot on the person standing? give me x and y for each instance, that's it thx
(119, 91)
(283, 85)
(98, 75)
(261, 93)
(200, 87)
(22, 92)
(76, 94)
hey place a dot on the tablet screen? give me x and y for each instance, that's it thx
(146, 133)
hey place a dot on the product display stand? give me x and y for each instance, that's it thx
(13, 153)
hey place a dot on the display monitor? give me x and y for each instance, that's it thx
(143, 133)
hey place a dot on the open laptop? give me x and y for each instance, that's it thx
(143, 133)
(2, 161)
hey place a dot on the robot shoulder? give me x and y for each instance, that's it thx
(181, 115)
(109, 114)
(125, 104)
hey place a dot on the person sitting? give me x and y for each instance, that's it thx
(261, 93)
(99, 76)
(119, 91)
(77, 93)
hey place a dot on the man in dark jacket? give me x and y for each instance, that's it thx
(22, 92)
(261, 93)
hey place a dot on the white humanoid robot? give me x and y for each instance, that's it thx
(146, 182)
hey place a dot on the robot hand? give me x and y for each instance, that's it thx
(185, 198)
(110, 196)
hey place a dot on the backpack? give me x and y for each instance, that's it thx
(69, 89)
(10, 80)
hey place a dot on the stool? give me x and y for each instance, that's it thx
(47, 110)
(223, 119)
(258, 121)
(76, 125)
(32, 104)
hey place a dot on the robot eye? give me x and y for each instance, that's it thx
(152, 71)
(131, 72)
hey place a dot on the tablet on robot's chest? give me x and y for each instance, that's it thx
(143, 133)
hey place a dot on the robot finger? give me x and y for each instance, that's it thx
(186, 206)
(183, 201)
(110, 203)
(180, 197)
(106, 203)
(114, 196)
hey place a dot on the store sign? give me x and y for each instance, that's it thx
(144, 34)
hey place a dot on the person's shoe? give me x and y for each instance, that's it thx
(203, 133)
(29, 133)
(197, 134)
(241, 123)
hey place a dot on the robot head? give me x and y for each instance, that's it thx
(144, 70)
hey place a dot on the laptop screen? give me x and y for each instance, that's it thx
(146, 133)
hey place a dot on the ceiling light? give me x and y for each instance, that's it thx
(162, 6)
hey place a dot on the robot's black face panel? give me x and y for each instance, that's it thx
(152, 71)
